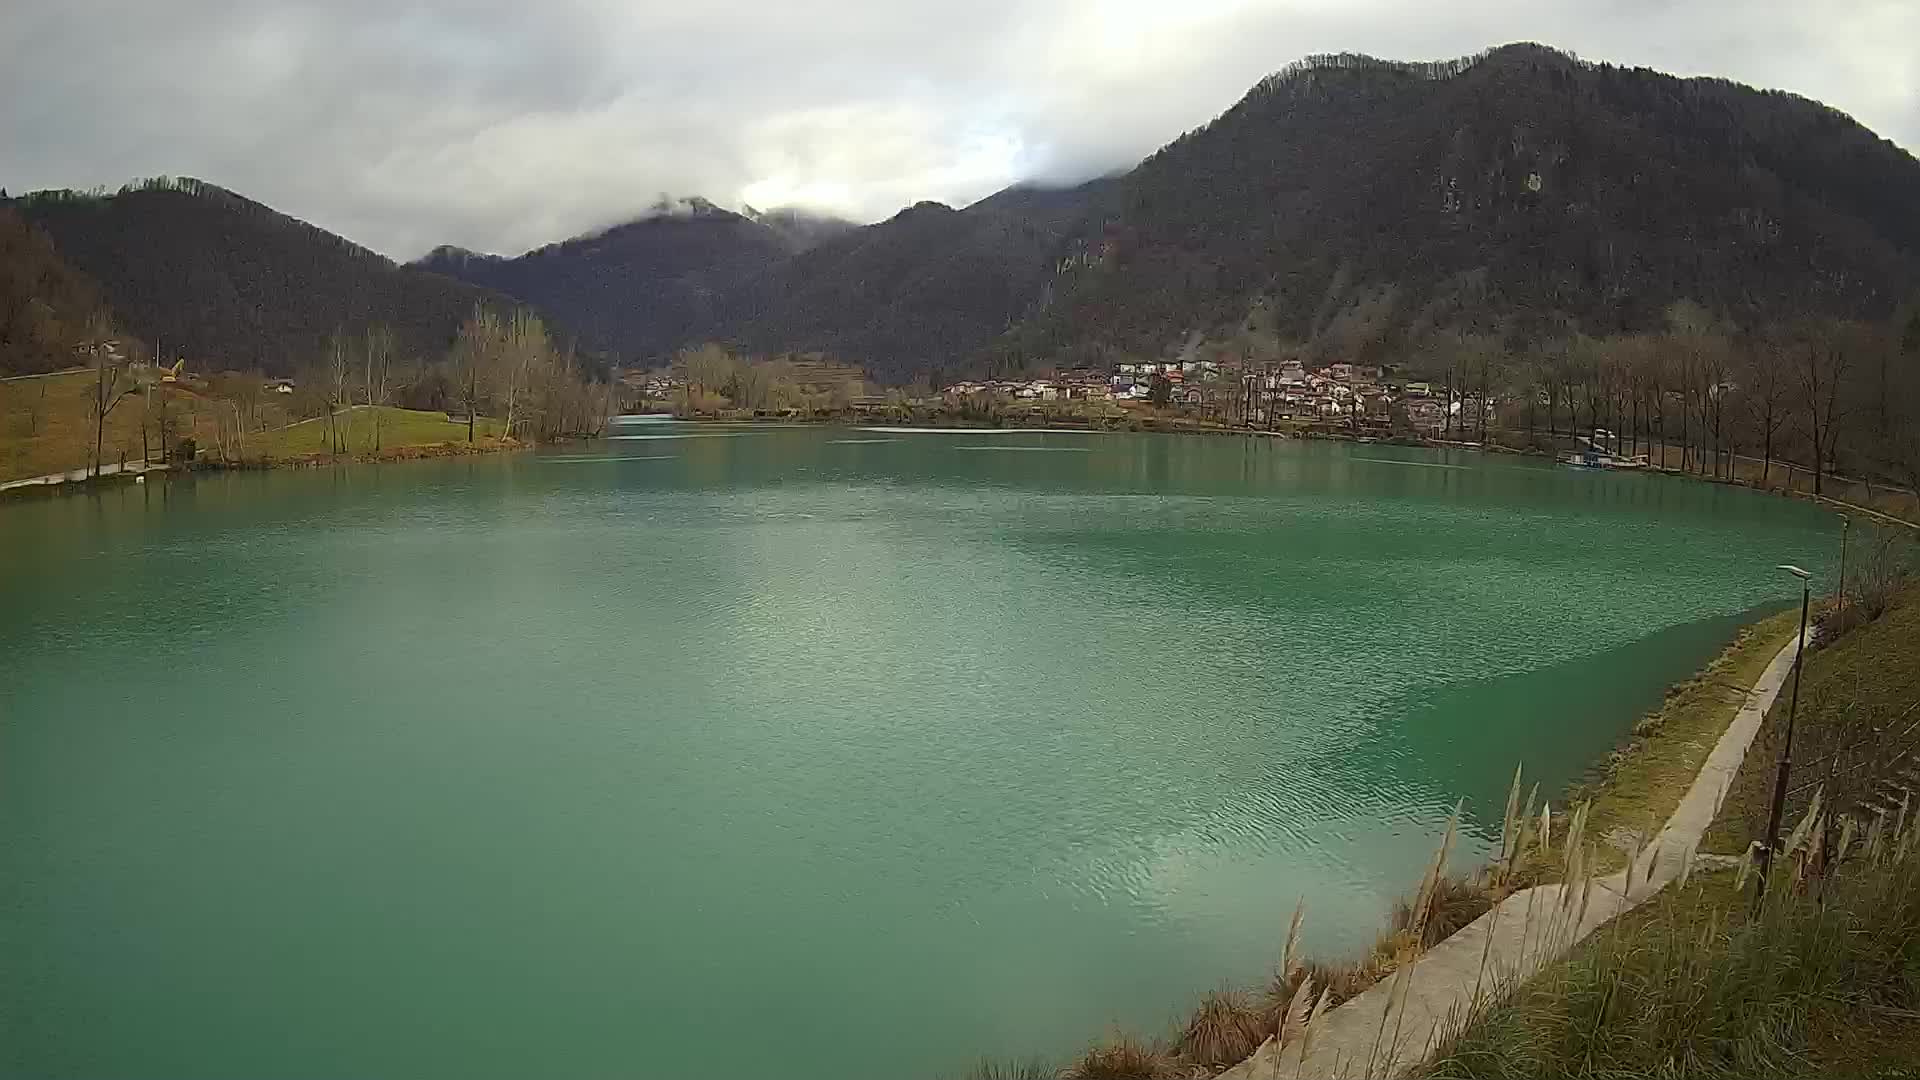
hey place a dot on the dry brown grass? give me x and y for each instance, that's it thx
(1226, 1027)
(1123, 1057)
(1342, 981)
(1456, 902)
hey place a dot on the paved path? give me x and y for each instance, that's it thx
(1367, 1038)
(77, 475)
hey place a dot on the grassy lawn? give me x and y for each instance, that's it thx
(1868, 679)
(396, 429)
(46, 426)
(1643, 782)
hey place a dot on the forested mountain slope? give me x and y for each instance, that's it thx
(643, 288)
(1521, 192)
(928, 288)
(45, 304)
(221, 279)
(1345, 206)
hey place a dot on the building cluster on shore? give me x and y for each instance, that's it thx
(1347, 394)
(1288, 391)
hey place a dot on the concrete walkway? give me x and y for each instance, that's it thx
(1370, 1037)
(77, 475)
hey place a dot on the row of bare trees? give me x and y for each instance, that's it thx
(540, 390)
(1823, 397)
(713, 379)
(508, 367)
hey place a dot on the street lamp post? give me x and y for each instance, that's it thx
(1786, 749)
(1846, 526)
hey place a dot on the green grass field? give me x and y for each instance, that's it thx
(46, 426)
(392, 428)
(1857, 731)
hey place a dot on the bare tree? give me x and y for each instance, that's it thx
(37, 409)
(111, 382)
(1826, 352)
(472, 357)
(377, 374)
(525, 353)
(1768, 392)
(339, 373)
(708, 368)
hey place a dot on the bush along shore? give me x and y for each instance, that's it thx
(1612, 824)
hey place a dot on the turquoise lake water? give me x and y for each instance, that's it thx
(825, 754)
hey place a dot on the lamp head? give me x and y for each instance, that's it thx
(1795, 571)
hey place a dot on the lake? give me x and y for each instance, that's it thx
(826, 754)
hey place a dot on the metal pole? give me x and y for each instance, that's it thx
(1846, 526)
(1786, 757)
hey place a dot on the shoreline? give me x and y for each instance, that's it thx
(1159, 426)
(1492, 956)
(1646, 802)
(77, 481)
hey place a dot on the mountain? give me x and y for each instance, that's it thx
(1345, 205)
(1355, 204)
(645, 287)
(928, 288)
(44, 303)
(800, 229)
(209, 274)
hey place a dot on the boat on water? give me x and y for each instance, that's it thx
(1600, 459)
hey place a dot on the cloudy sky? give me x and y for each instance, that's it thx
(503, 124)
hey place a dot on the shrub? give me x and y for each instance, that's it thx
(1456, 902)
(1225, 1029)
(1122, 1057)
(1010, 1070)
(1882, 569)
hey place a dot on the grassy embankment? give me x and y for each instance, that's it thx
(1825, 980)
(46, 426)
(1629, 795)
(402, 433)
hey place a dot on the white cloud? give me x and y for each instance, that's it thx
(501, 125)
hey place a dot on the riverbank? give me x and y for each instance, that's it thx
(1821, 980)
(363, 435)
(1635, 805)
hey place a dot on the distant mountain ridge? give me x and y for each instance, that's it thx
(1363, 203)
(1344, 206)
(1351, 205)
(215, 276)
(646, 286)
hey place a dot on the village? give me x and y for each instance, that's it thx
(1362, 398)
(1355, 395)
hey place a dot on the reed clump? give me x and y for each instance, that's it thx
(1699, 983)
(1227, 1026)
(1123, 1057)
